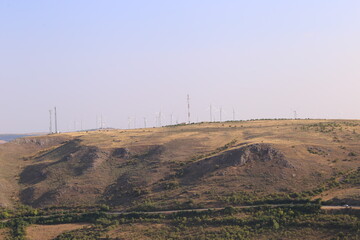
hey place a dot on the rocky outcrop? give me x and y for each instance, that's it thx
(41, 141)
(237, 157)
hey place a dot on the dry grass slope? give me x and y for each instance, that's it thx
(148, 168)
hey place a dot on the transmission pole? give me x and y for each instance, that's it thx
(233, 114)
(144, 122)
(160, 119)
(50, 128)
(295, 115)
(211, 118)
(188, 101)
(56, 129)
(220, 113)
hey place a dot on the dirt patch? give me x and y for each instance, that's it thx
(4, 233)
(48, 232)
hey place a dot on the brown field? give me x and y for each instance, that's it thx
(301, 233)
(4, 232)
(48, 232)
(149, 231)
(166, 167)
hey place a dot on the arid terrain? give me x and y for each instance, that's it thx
(205, 165)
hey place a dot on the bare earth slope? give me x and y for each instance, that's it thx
(170, 165)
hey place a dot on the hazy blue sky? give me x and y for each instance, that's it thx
(135, 58)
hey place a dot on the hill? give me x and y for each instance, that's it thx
(187, 166)
(9, 137)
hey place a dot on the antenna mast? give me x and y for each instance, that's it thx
(220, 113)
(160, 119)
(188, 102)
(50, 128)
(56, 129)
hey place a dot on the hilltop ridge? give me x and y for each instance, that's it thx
(197, 165)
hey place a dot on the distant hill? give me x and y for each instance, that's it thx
(209, 163)
(10, 137)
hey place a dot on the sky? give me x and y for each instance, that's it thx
(129, 61)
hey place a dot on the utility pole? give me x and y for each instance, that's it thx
(56, 129)
(128, 122)
(233, 114)
(171, 115)
(144, 122)
(220, 114)
(211, 118)
(101, 121)
(50, 128)
(188, 101)
(295, 115)
(160, 119)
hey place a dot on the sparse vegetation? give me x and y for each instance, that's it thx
(184, 167)
(228, 223)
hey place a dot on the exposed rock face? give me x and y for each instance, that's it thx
(237, 157)
(40, 141)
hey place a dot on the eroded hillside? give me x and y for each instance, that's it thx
(182, 166)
